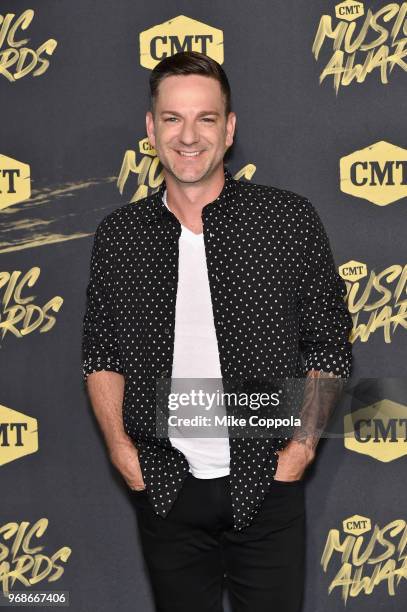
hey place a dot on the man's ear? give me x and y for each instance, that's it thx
(150, 128)
(230, 128)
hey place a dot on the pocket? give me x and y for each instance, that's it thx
(139, 499)
(288, 483)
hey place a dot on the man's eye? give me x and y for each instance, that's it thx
(171, 119)
(208, 120)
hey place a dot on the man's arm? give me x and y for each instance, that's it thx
(100, 349)
(324, 326)
(324, 320)
(101, 360)
(322, 391)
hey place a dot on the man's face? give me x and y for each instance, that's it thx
(189, 130)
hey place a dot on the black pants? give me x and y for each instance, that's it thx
(192, 552)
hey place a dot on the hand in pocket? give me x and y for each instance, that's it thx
(124, 457)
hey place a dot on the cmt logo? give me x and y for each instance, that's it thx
(377, 173)
(357, 525)
(348, 10)
(378, 430)
(145, 148)
(179, 34)
(353, 270)
(15, 185)
(18, 435)
(365, 558)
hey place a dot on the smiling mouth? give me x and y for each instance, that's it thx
(189, 154)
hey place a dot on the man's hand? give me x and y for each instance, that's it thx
(293, 460)
(124, 456)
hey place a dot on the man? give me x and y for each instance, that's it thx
(209, 278)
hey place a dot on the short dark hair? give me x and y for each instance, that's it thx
(190, 62)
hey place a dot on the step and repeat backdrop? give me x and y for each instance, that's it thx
(319, 89)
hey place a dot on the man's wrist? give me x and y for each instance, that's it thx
(303, 450)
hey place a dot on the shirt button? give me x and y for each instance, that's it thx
(167, 330)
(163, 374)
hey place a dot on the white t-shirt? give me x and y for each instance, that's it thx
(196, 352)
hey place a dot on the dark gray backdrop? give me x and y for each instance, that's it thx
(72, 125)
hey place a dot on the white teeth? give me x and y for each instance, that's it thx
(194, 154)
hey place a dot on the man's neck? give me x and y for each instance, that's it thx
(186, 201)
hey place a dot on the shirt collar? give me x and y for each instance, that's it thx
(226, 202)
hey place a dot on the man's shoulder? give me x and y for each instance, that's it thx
(275, 201)
(122, 216)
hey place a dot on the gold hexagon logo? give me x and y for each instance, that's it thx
(377, 173)
(378, 430)
(179, 34)
(18, 435)
(356, 524)
(353, 270)
(15, 182)
(145, 148)
(349, 10)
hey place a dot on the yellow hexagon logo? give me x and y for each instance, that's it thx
(145, 148)
(349, 10)
(179, 34)
(377, 173)
(18, 435)
(378, 430)
(356, 525)
(353, 270)
(15, 182)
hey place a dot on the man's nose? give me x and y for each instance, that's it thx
(189, 133)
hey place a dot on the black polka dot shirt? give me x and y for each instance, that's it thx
(278, 308)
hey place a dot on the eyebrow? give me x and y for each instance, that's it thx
(170, 112)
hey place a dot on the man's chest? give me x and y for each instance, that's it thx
(243, 259)
(253, 278)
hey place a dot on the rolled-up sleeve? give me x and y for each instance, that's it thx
(325, 323)
(100, 349)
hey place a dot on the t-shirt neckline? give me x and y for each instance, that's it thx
(186, 232)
